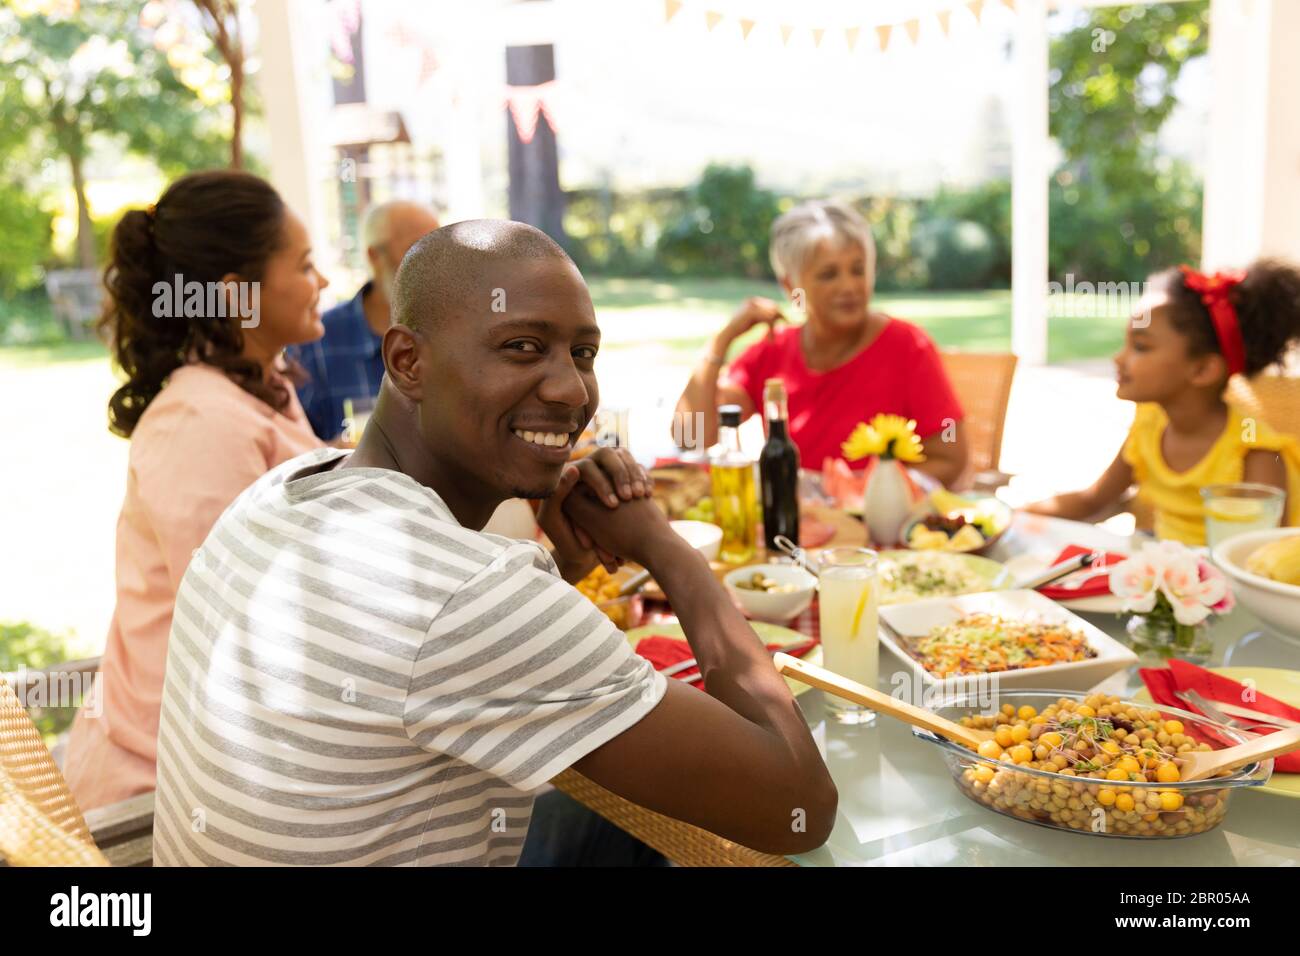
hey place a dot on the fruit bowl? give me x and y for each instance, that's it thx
(948, 522)
(1276, 603)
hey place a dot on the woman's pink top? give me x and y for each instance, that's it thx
(200, 443)
(899, 373)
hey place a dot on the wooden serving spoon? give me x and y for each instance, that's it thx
(1200, 764)
(816, 676)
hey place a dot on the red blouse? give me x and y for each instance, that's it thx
(898, 373)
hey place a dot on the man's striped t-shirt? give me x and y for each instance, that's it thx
(354, 678)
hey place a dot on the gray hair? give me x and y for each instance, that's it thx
(795, 235)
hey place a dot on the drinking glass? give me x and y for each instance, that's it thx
(849, 598)
(1231, 510)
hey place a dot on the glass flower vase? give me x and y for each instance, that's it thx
(1157, 636)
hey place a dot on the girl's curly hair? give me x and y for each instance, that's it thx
(1267, 302)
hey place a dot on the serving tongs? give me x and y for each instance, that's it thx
(840, 686)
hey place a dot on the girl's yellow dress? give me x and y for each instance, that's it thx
(1175, 496)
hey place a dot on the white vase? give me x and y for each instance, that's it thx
(886, 501)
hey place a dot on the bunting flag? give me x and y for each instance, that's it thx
(884, 31)
(404, 38)
(526, 103)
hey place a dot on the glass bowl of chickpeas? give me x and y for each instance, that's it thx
(1092, 763)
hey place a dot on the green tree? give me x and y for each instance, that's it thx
(1119, 209)
(209, 55)
(71, 72)
(726, 227)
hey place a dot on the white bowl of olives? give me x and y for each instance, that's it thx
(771, 592)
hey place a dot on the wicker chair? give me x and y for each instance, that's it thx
(982, 382)
(40, 823)
(680, 842)
(1271, 397)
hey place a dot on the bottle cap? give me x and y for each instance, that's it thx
(729, 416)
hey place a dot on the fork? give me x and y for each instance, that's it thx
(1214, 713)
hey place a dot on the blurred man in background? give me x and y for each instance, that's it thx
(345, 367)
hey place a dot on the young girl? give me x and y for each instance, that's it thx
(1178, 354)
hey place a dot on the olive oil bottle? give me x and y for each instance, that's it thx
(732, 475)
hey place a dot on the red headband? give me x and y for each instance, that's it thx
(1213, 291)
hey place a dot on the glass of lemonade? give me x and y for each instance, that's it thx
(849, 598)
(1231, 510)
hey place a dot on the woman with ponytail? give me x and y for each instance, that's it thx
(206, 288)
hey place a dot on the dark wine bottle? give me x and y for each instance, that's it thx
(778, 469)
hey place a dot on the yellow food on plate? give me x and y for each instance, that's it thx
(601, 589)
(598, 586)
(967, 538)
(923, 539)
(1278, 560)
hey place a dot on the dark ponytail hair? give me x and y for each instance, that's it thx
(1267, 302)
(206, 225)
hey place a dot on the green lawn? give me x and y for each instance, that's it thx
(679, 316)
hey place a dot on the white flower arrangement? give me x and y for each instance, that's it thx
(1166, 577)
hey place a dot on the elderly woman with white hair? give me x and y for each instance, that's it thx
(844, 363)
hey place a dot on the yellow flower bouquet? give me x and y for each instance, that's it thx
(885, 436)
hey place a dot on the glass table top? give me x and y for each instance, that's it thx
(899, 804)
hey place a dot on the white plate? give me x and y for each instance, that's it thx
(920, 617)
(1027, 565)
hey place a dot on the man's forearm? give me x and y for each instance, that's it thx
(737, 668)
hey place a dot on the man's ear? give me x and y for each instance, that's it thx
(403, 361)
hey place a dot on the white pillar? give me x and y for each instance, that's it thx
(1029, 172)
(1252, 176)
(291, 121)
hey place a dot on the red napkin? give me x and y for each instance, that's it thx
(1180, 677)
(662, 651)
(1095, 586)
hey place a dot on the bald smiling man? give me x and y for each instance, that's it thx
(358, 674)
